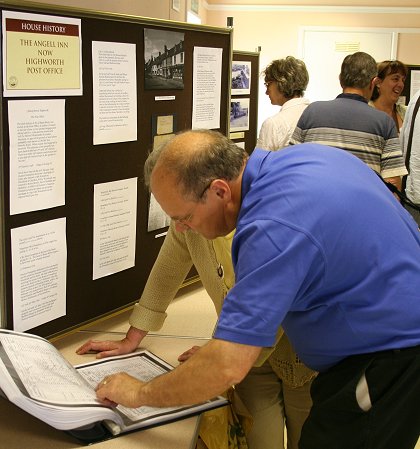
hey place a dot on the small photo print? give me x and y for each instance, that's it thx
(241, 77)
(239, 114)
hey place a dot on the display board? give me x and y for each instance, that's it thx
(244, 98)
(86, 95)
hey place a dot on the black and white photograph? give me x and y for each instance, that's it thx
(163, 59)
(241, 77)
(239, 114)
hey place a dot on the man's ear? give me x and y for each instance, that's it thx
(375, 81)
(221, 188)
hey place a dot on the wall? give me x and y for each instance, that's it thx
(277, 28)
(160, 9)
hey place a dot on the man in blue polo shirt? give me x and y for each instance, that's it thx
(321, 248)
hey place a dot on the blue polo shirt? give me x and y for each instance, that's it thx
(325, 250)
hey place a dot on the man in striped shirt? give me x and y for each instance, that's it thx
(349, 123)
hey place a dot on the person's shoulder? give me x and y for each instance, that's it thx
(269, 123)
(319, 105)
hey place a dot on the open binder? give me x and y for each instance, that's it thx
(38, 379)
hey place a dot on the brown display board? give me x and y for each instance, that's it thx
(243, 61)
(87, 165)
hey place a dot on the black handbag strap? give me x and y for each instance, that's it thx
(400, 194)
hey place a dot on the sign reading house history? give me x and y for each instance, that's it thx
(41, 55)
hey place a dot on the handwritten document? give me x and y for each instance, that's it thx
(46, 375)
(39, 266)
(37, 154)
(114, 92)
(114, 234)
(144, 369)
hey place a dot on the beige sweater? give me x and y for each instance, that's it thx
(178, 253)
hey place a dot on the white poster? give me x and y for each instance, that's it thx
(207, 78)
(114, 92)
(114, 227)
(37, 154)
(39, 266)
(415, 82)
(157, 217)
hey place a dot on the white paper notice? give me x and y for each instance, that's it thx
(114, 92)
(37, 154)
(415, 82)
(207, 87)
(157, 217)
(114, 227)
(39, 266)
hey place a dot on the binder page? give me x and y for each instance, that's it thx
(143, 366)
(44, 373)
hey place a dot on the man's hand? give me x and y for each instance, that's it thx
(110, 348)
(210, 371)
(120, 388)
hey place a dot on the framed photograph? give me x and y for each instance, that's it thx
(195, 6)
(163, 59)
(241, 77)
(239, 114)
(176, 4)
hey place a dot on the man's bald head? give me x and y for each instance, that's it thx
(193, 159)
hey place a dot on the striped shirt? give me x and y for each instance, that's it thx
(350, 124)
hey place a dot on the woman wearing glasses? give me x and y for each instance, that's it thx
(285, 80)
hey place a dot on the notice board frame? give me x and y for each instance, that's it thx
(87, 165)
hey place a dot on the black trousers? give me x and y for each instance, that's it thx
(369, 401)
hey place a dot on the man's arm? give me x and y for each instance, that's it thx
(210, 371)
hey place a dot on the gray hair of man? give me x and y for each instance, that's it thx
(358, 70)
(214, 156)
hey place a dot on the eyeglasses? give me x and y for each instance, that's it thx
(267, 83)
(187, 218)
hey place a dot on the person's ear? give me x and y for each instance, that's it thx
(221, 188)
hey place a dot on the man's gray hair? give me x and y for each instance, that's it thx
(214, 156)
(358, 70)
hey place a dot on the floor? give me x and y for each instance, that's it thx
(190, 314)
